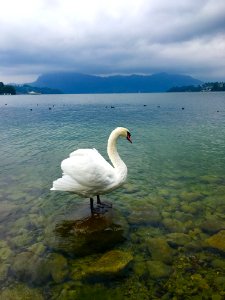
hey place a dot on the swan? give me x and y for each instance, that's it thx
(88, 174)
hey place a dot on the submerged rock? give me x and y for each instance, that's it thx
(143, 234)
(218, 264)
(188, 208)
(111, 263)
(20, 292)
(219, 282)
(211, 179)
(30, 268)
(158, 269)
(22, 240)
(4, 268)
(217, 241)
(5, 251)
(69, 294)
(177, 239)
(160, 250)
(174, 225)
(145, 215)
(191, 196)
(212, 225)
(91, 234)
(58, 267)
(96, 291)
(65, 291)
(6, 210)
(37, 249)
(140, 268)
(188, 279)
(182, 216)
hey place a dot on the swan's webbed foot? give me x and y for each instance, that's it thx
(103, 204)
(100, 209)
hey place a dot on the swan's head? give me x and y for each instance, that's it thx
(125, 133)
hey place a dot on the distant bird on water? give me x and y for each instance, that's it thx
(88, 174)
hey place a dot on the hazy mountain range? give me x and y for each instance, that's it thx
(76, 83)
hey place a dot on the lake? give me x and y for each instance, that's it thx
(164, 237)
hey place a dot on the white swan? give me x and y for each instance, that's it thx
(88, 174)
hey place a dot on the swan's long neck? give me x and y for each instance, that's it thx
(117, 162)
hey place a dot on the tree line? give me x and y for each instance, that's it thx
(205, 87)
(7, 89)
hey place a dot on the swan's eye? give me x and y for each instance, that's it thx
(128, 136)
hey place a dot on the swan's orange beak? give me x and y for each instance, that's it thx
(129, 137)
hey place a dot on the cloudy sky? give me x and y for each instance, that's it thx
(112, 37)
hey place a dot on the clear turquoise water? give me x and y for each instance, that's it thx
(165, 219)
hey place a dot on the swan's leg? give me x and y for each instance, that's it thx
(102, 204)
(94, 210)
(102, 207)
(92, 204)
(98, 200)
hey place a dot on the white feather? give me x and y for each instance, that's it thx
(87, 173)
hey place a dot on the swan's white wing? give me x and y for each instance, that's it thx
(83, 152)
(89, 169)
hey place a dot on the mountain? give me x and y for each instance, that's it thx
(75, 83)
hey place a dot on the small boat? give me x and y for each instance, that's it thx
(34, 93)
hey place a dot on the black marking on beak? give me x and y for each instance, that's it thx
(129, 137)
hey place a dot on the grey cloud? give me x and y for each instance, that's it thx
(172, 36)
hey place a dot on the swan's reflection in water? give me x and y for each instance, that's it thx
(90, 234)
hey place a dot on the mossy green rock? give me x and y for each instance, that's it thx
(37, 249)
(145, 215)
(4, 268)
(6, 209)
(111, 263)
(139, 268)
(99, 292)
(177, 239)
(217, 241)
(160, 250)
(218, 263)
(88, 235)
(59, 267)
(5, 251)
(210, 179)
(219, 282)
(20, 292)
(22, 240)
(182, 216)
(187, 208)
(158, 269)
(30, 268)
(191, 196)
(212, 225)
(67, 295)
(173, 225)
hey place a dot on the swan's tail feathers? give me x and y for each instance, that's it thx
(66, 183)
